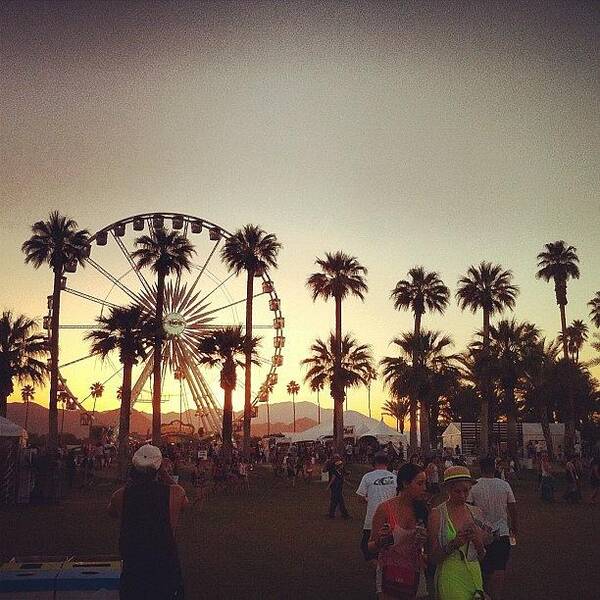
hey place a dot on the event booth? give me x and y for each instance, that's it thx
(12, 439)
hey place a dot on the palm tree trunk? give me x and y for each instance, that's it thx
(248, 366)
(53, 401)
(124, 418)
(4, 405)
(424, 427)
(26, 413)
(546, 430)
(227, 422)
(484, 417)
(294, 410)
(414, 401)
(338, 391)
(434, 413)
(563, 327)
(511, 421)
(318, 408)
(157, 367)
(268, 419)
(570, 422)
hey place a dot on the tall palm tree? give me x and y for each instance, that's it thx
(341, 275)
(96, 391)
(420, 292)
(510, 346)
(411, 374)
(253, 250)
(356, 362)
(397, 408)
(129, 332)
(27, 393)
(165, 253)
(594, 305)
(225, 348)
(292, 389)
(21, 349)
(55, 242)
(488, 288)
(558, 262)
(577, 335)
(264, 394)
(317, 385)
(372, 377)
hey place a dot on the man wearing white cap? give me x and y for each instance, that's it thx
(149, 507)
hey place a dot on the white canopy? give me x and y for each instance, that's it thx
(359, 426)
(8, 429)
(384, 433)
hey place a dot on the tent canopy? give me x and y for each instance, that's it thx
(361, 426)
(8, 429)
(384, 433)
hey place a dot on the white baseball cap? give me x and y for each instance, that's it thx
(147, 457)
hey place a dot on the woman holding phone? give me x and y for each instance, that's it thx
(398, 536)
(457, 540)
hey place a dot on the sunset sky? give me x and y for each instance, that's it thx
(405, 133)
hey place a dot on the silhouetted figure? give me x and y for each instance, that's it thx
(149, 507)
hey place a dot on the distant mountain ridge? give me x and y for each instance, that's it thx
(141, 422)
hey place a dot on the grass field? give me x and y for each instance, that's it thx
(276, 543)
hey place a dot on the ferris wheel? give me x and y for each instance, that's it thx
(206, 298)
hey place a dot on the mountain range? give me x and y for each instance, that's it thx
(281, 418)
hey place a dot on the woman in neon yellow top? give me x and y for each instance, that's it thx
(457, 540)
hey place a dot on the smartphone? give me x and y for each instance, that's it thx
(388, 538)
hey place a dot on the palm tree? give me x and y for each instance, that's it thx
(165, 253)
(594, 305)
(254, 251)
(264, 393)
(510, 346)
(27, 393)
(558, 262)
(540, 362)
(411, 374)
(129, 332)
(577, 335)
(420, 292)
(397, 408)
(21, 349)
(316, 386)
(372, 377)
(356, 362)
(96, 391)
(225, 348)
(488, 288)
(57, 243)
(292, 389)
(341, 275)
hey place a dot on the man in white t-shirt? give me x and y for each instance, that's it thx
(496, 499)
(375, 487)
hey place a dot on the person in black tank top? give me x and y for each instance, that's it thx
(151, 569)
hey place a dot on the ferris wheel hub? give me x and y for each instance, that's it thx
(174, 324)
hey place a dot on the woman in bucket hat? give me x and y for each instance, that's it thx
(457, 540)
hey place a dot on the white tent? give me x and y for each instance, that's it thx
(384, 433)
(452, 436)
(8, 429)
(355, 425)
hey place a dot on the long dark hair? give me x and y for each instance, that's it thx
(406, 474)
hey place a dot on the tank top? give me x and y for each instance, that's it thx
(146, 542)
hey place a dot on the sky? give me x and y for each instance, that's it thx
(410, 133)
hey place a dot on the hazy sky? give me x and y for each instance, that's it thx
(404, 133)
